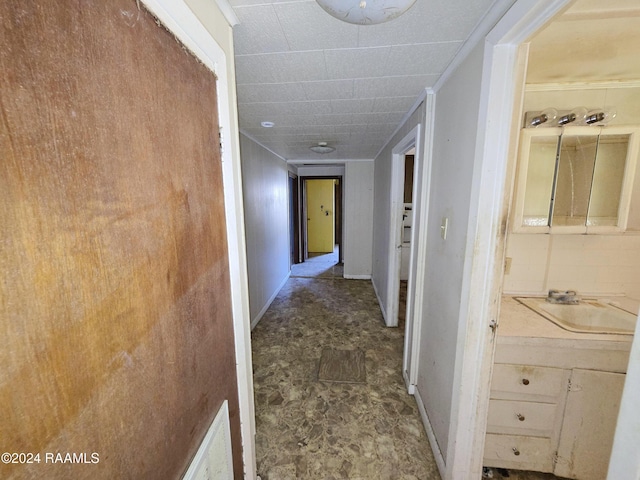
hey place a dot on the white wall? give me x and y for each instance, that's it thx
(588, 264)
(358, 219)
(265, 187)
(321, 171)
(453, 154)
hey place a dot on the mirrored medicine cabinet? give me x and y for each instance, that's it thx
(575, 179)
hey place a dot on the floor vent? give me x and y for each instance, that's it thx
(213, 461)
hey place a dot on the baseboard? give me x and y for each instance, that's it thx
(256, 320)
(357, 277)
(430, 435)
(384, 314)
(411, 389)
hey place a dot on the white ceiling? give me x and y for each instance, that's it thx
(320, 79)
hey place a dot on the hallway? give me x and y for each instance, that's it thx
(314, 429)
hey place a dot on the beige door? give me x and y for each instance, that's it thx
(320, 220)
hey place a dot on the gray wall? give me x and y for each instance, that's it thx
(264, 183)
(454, 143)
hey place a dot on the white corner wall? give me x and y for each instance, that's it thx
(358, 219)
(453, 154)
(265, 188)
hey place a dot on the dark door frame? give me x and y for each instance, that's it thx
(294, 219)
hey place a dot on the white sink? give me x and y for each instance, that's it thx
(588, 316)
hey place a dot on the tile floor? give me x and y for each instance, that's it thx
(311, 429)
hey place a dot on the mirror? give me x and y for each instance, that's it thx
(608, 177)
(539, 180)
(575, 179)
(577, 157)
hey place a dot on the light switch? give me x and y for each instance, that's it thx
(443, 227)
(507, 265)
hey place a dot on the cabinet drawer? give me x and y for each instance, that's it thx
(518, 452)
(527, 380)
(522, 418)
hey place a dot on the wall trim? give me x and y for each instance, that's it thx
(357, 277)
(550, 87)
(426, 157)
(228, 12)
(430, 435)
(261, 313)
(479, 33)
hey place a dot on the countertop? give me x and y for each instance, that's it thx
(518, 320)
(526, 337)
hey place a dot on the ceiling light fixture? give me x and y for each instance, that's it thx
(365, 12)
(267, 124)
(321, 148)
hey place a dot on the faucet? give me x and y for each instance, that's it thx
(568, 297)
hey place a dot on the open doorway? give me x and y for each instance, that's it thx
(322, 213)
(408, 204)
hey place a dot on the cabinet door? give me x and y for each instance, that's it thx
(589, 424)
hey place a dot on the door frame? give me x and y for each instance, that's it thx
(303, 213)
(294, 218)
(501, 92)
(396, 204)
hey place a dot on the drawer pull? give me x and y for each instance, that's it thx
(516, 452)
(520, 417)
(525, 381)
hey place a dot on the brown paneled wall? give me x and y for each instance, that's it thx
(115, 313)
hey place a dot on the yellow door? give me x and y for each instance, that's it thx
(320, 220)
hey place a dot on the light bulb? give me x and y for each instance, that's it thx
(600, 116)
(575, 116)
(546, 117)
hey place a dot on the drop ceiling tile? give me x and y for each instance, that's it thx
(271, 92)
(333, 119)
(428, 58)
(286, 120)
(280, 67)
(328, 89)
(373, 118)
(393, 104)
(286, 108)
(360, 105)
(381, 128)
(323, 31)
(392, 85)
(427, 21)
(259, 31)
(356, 62)
(236, 4)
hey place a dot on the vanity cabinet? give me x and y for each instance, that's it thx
(589, 423)
(553, 420)
(525, 414)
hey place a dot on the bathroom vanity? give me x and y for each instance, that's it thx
(555, 395)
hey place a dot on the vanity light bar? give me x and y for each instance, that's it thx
(550, 117)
